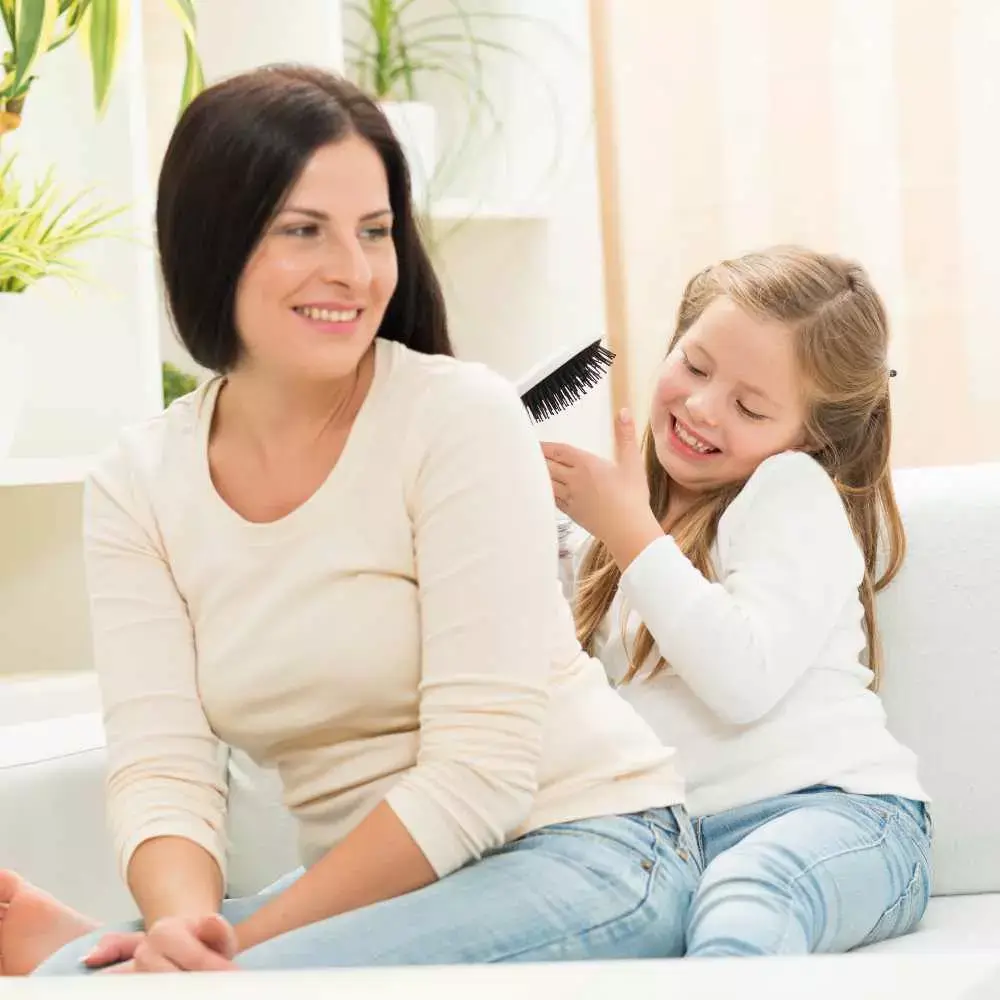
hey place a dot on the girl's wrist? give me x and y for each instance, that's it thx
(632, 537)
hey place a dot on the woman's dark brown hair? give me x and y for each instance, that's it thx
(235, 153)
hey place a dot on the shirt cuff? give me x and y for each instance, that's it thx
(211, 842)
(432, 829)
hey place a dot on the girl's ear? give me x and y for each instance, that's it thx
(807, 444)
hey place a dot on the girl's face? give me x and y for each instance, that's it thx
(728, 396)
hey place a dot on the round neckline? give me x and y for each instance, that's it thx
(337, 475)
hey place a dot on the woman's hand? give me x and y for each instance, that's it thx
(184, 944)
(608, 499)
(113, 948)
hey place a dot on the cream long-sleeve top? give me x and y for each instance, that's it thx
(766, 691)
(401, 636)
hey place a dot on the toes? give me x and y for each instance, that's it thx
(10, 883)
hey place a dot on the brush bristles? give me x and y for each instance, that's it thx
(569, 383)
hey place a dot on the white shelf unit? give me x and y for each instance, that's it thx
(44, 471)
(519, 262)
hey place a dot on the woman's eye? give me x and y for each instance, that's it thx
(376, 232)
(305, 230)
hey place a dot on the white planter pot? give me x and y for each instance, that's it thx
(414, 124)
(13, 367)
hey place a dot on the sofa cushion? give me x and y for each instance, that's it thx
(263, 841)
(940, 624)
(951, 924)
(53, 830)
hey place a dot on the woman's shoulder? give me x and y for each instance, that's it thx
(144, 450)
(437, 387)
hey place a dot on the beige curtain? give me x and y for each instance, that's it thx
(869, 127)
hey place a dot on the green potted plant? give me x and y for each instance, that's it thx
(176, 383)
(39, 234)
(35, 28)
(394, 47)
(42, 231)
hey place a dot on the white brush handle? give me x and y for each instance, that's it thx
(544, 369)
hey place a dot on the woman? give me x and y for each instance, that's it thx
(339, 555)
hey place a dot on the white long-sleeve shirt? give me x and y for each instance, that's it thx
(402, 635)
(766, 691)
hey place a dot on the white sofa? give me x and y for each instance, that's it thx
(941, 626)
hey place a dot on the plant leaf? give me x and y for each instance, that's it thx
(40, 233)
(7, 15)
(34, 24)
(105, 35)
(194, 75)
(184, 12)
(71, 23)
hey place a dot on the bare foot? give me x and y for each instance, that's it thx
(33, 925)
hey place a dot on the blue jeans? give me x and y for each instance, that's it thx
(817, 871)
(606, 888)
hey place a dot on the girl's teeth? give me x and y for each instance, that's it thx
(328, 315)
(690, 441)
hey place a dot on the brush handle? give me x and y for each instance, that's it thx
(615, 289)
(544, 369)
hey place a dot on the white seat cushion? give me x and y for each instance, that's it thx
(941, 687)
(952, 924)
(53, 830)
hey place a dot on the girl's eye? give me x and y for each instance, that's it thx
(750, 413)
(305, 230)
(376, 232)
(691, 368)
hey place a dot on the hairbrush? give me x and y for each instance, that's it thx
(563, 379)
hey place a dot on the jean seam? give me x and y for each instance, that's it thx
(905, 896)
(874, 845)
(654, 870)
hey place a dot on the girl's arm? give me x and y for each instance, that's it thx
(482, 516)
(791, 567)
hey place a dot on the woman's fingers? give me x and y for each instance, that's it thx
(118, 946)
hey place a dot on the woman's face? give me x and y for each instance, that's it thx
(313, 293)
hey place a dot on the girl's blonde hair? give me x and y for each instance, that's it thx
(841, 341)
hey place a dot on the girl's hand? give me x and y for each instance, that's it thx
(610, 500)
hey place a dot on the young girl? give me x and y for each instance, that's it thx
(729, 590)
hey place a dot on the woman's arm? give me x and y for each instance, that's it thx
(486, 556)
(174, 877)
(166, 783)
